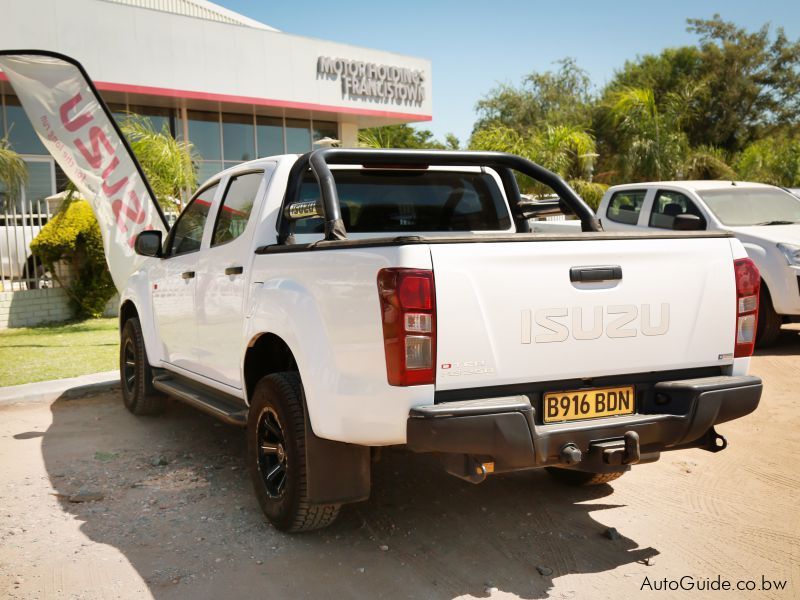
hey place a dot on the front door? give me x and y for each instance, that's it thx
(223, 278)
(174, 283)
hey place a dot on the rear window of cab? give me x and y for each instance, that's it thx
(391, 200)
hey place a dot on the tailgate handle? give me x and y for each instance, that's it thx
(605, 273)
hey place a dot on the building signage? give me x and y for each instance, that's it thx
(372, 81)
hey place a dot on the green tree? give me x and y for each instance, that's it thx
(168, 163)
(707, 162)
(751, 80)
(773, 160)
(561, 97)
(398, 136)
(651, 144)
(13, 174)
(566, 150)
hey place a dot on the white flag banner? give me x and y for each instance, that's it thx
(79, 132)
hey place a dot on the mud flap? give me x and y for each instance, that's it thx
(337, 473)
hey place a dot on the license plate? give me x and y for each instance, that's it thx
(587, 404)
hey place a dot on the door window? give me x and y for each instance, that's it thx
(625, 206)
(187, 233)
(236, 207)
(667, 205)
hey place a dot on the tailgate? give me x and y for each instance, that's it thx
(508, 312)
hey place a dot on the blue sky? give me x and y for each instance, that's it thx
(475, 45)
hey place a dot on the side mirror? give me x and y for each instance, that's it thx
(148, 243)
(687, 222)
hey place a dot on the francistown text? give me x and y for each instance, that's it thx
(371, 80)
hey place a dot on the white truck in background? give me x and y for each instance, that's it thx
(344, 300)
(764, 218)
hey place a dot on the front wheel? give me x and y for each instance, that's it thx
(769, 322)
(582, 478)
(276, 455)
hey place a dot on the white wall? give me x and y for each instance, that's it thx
(128, 45)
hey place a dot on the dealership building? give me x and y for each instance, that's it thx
(236, 88)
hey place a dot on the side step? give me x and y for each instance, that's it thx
(227, 409)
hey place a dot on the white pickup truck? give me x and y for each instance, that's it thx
(345, 300)
(765, 218)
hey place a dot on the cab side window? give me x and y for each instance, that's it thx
(187, 233)
(234, 212)
(625, 206)
(668, 205)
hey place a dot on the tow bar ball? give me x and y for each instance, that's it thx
(614, 452)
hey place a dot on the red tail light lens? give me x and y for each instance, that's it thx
(748, 284)
(408, 313)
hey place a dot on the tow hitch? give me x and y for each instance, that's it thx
(616, 453)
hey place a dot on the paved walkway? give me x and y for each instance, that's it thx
(45, 391)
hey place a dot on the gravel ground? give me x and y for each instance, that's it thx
(97, 503)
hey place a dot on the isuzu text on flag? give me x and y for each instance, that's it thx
(79, 132)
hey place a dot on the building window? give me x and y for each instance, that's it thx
(324, 129)
(205, 134)
(238, 138)
(19, 130)
(298, 136)
(158, 116)
(269, 136)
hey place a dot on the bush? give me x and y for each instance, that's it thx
(73, 236)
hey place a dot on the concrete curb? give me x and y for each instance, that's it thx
(47, 391)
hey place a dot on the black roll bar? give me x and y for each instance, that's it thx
(504, 164)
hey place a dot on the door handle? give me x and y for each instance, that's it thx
(588, 274)
(234, 270)
(187, 275)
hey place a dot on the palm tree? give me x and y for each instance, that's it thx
(13, 173)
(168, 163)
(653, 145)
(565, 149)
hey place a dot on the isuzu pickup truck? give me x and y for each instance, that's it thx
(344, 300)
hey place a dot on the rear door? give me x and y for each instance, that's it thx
(510, 312)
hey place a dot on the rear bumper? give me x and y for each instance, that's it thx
(507, 431)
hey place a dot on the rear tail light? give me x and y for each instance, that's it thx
(408, 312)
(748, 283)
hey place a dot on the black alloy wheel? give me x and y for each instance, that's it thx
(272, 453)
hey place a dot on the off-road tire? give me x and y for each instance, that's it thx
(582, 478)
(280, 396)
(136, 375)
(768, 329)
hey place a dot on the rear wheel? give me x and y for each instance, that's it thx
(136, 376)
(276, 448)
(582, 478)
(768, 329)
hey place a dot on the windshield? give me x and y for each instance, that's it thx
(374, 200)
(739, 206)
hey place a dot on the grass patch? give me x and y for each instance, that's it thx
(29, 354)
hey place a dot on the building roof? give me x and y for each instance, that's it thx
(199, 9)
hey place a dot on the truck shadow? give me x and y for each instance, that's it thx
(177, 502)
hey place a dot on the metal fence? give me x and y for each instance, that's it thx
(20, 223)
